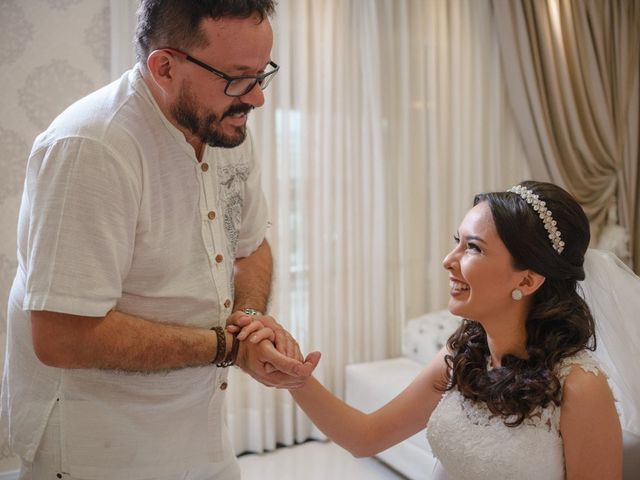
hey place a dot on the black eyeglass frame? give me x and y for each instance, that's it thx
(257, 79)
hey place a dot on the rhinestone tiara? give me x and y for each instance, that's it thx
(550, 225)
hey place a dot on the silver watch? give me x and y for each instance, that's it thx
(251, 311)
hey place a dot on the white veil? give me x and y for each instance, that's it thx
(612, 292)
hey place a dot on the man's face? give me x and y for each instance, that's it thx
(236, 47)
(208, 125)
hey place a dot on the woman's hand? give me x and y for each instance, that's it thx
(252, 330)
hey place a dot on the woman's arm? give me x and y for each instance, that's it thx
(367, 434)
(590, 428)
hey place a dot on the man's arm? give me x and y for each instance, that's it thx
(119, 341)
(252, 279)
(252, 282)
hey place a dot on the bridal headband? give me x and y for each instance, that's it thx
(550, 225)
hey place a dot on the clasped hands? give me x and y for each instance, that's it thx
(269, 353)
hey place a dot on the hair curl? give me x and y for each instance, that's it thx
(559, 323)
(176, 23)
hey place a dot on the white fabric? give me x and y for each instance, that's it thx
(423, 337)
(369, 386)
(48, 462)
(383, 122)
(612, 292)
(471, 443)
(115, 214)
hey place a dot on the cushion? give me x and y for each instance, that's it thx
(369, 386)
(425, 335)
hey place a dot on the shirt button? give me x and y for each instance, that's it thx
(227, 303)
(219, 258)
(223, 386)
(204, 167)
(211, 215)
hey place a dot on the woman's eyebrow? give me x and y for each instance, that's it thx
(475, 238)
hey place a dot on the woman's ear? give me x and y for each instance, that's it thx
(531, 282)
(161, 66)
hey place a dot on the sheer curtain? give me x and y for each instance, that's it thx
(386, 118)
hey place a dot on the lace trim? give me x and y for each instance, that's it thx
(547, 418)
(478, 414)
(581, 359)
(585, 360)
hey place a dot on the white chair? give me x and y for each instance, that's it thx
(370, 385)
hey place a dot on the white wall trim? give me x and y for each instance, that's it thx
(123, 27)
(12, 475)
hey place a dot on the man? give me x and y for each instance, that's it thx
(140, 201)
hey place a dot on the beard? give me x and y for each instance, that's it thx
(206, 126)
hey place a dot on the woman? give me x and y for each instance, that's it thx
(515, 393)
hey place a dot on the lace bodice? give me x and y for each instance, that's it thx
(472, 443)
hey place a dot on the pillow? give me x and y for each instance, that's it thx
(425, 335)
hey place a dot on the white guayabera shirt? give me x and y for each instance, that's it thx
(118, 213)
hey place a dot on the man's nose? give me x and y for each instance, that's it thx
(254, 97)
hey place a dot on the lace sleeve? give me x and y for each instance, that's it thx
(581, 359)
(588, 363)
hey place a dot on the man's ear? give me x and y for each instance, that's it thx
(531, 282)
(162, 69)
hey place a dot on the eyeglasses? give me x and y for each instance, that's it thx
(237, 86)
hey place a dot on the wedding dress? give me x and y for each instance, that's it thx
(471, 443)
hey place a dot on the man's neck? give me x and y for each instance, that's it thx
(163, 104)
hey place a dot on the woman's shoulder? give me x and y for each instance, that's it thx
(586, 392)
(584, 382)
(578, 366)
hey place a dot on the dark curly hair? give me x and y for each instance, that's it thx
(559, 323)
(176, 23)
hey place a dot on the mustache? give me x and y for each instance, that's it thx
(239, 108)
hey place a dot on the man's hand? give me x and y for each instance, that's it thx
(274, 360)
(268, 366)
(284, 342)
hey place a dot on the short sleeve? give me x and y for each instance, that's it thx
(83, 208)
(581, 359)
(254, 209)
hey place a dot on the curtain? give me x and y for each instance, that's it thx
(572, 74)
(385, 119)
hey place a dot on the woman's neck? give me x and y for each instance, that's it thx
(506, 336)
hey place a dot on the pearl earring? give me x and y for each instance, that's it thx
(516, 294)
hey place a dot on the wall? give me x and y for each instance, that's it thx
(53, 52)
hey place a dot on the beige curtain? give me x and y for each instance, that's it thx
(572, 74)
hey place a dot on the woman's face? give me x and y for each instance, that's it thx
(481, 274)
